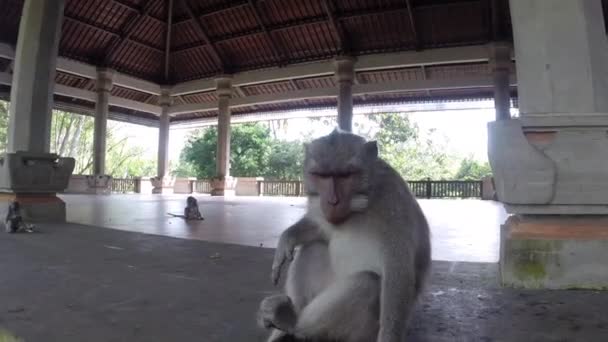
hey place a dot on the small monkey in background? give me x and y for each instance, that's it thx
(14, 220)
(191, 211)
(364, 250)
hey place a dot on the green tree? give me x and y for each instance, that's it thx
(285, 162)
(472, 169)
(3, 125)
(413, 154)
(250, 151)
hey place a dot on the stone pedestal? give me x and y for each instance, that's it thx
(554, 252)
(33, 179)
(551, 165)
(225, 186)
(162, 185)
(99, 184)
(558, 170)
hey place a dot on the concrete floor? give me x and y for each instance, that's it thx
(462, 230)
(75, 283)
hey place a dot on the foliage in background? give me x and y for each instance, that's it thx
(286, 160)
(3, 125)
(250, 146)
(72, 136)
(471, 169)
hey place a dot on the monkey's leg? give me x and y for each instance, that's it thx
(347, 310)
(308, 275)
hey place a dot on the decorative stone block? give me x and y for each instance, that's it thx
(162, 185)
(26, 172)
(223, 186)
(99, 184)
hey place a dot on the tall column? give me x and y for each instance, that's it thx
(345, 75)
(28, 172)
(550, 165)
(103, 87)
(500, 61)
(163, 183)
(34, 76)
(223, 184)
(165, 102)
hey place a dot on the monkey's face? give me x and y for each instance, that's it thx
(337, 169)
(191, 202)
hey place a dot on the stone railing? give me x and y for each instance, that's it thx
(81, 184)
(256, 186)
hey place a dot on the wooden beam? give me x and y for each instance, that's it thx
(91, 96)
(204, 36)
(485, 81)
(410, 13)
(89, 71)
(452, 55)
(343, 43)
(127, 30)
(278, 51)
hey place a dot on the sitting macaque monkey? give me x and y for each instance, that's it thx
(191, 211)
(363, 251)
(14, 220)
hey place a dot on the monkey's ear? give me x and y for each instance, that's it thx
(371, 149)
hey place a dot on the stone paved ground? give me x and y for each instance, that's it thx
(73, 283)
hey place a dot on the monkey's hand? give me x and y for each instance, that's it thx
(284, 252)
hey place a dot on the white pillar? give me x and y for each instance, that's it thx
(29, 174)
(224, 91)
(34, 76)
(345, 75)
(103, 87)
(165, 102)
(561, 53)
(500, 61)
(223, 184)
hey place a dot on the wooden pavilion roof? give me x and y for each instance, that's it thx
(173, 42)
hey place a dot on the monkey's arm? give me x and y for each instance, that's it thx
(299, 233)
(397, 297)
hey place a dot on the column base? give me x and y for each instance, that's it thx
(46, 207)
(554, 252)
(162, 185)
(99, 184)
(225, 186)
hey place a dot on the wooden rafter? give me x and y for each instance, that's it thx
(127, 30)
(220, 8)
(343, 43)
(169, 6)
(278, 51)
(311, 21)
(112, 33)
(198, 26)
(497, 33)
(410, 13)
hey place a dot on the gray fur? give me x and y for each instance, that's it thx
(358, 280)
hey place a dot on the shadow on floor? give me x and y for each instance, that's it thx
(79, 283)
